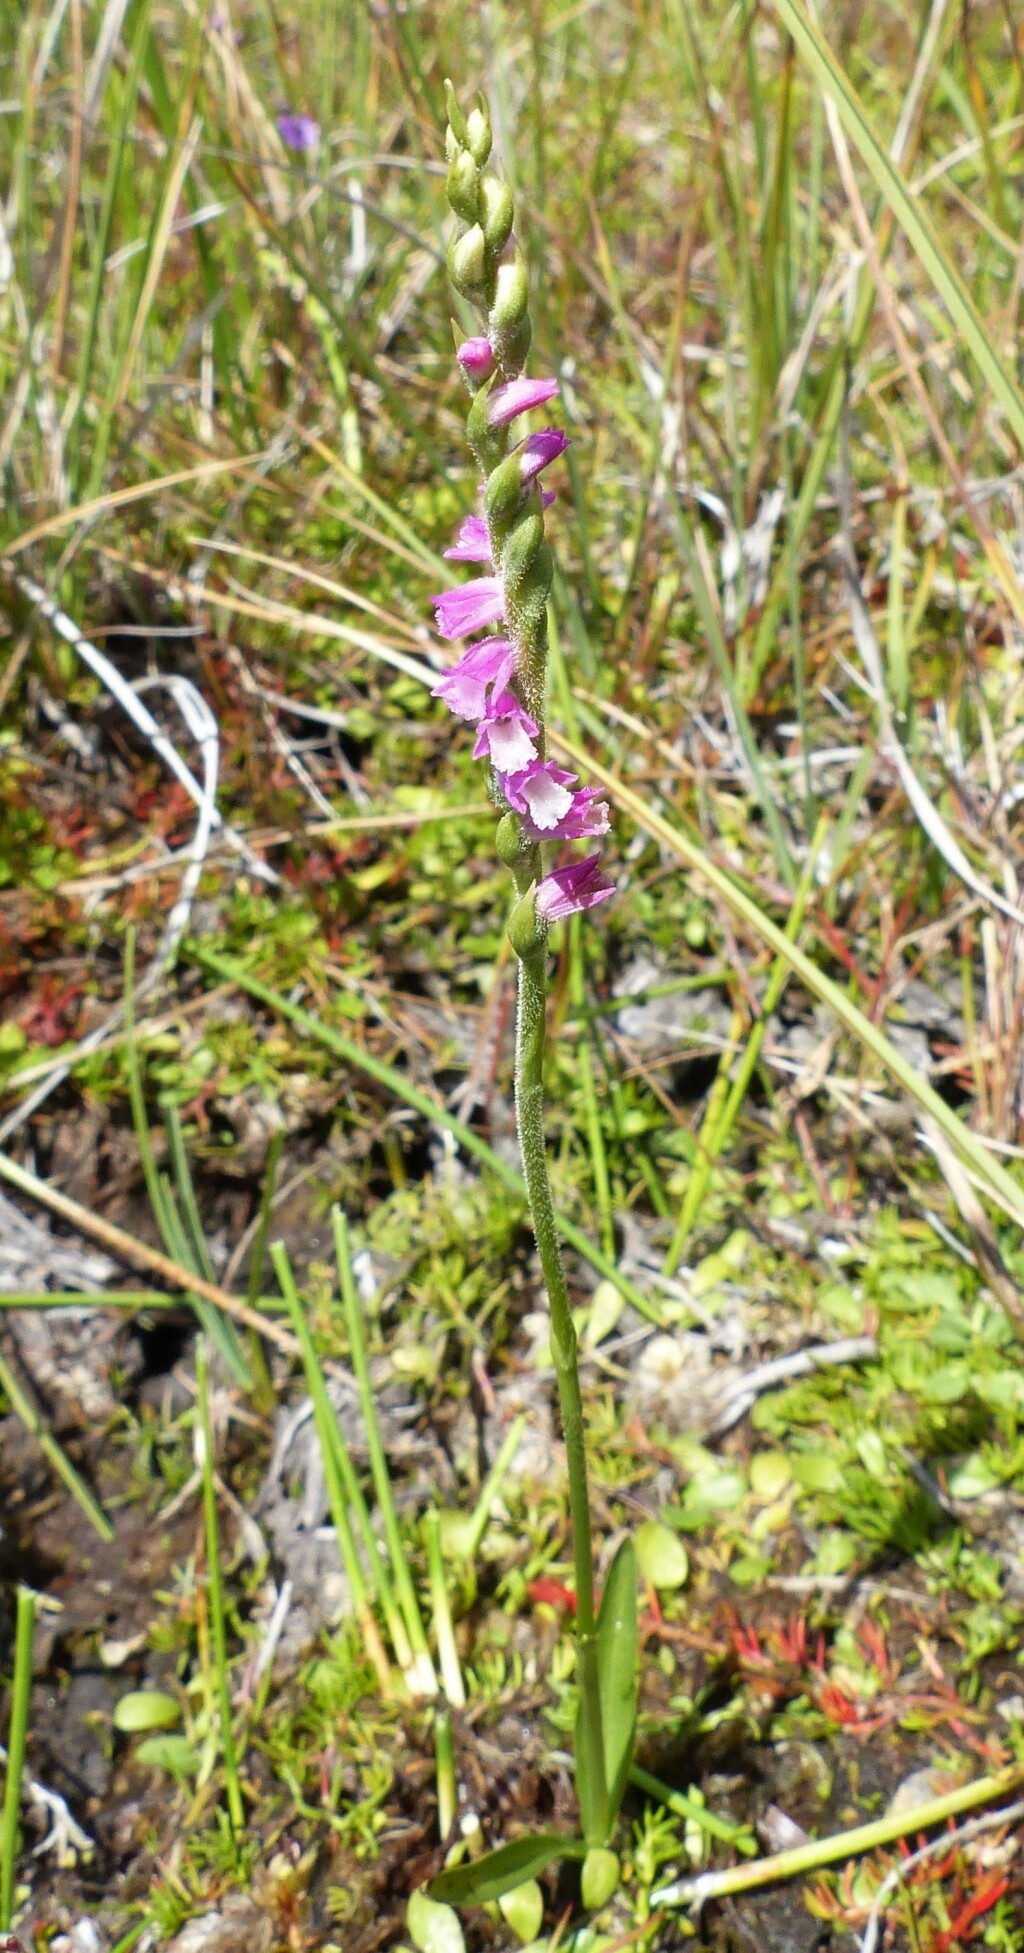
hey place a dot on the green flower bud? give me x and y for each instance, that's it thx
(451, 145)
(496, 212)
(508, 840)
(467, 261)
(527, 601)
(456, 118)
(526, 932)
(514, 347)
(511, 297)
(463, 186)
(521, 551)
(503, 494)
(486, 442)
(478, 134)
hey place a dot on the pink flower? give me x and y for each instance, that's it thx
(517, 397)
(506, 735)
(298, 131)
(567, 890)
(470, 608)
(585, 819)
(472, 544)
(476, 358)
(540, 450)
(539, 794)
(464, 687)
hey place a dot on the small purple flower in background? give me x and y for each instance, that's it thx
(567, 890)
(298, 131)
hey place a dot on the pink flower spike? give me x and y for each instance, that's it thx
(566, 891)
(540, 450)
(586, 818)
(464, 687)
(472, 544)
(476, 358)
(517, 397)
(470, 608)
(539, 794)
(506, 736)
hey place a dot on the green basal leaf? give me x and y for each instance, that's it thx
(144, 1709)
(502, 1870)
(618, 1670)
(433, 1928)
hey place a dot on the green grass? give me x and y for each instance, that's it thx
(230, 423)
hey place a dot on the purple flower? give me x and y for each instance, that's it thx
(470, 608)
(298, 131)
(567, 890)
(517, 397)
(506, 735)
(476, 358)
(464, 686)
(539, 450)
(472, 544)
(583, 820)
(540, 794)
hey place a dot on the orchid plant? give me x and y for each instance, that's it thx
(498, 686)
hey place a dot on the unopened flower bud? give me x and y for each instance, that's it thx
(503, 495)
(508, 840)
(478, 134)
(496, 212)
(511, 297)
(463, 186)
(467, 261)
(525, 931)
(476, 358)
(456, 119)
(521, 550)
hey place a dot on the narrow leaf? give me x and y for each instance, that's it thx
(618, 1670)
(907, 210)
(502, 1870)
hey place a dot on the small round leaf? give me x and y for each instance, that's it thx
(523, 1910)
(433, 1928)
(661, 1555)
(143, 1709)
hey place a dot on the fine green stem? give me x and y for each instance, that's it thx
(21, 1689)
(530, 1028)
(215, 1590)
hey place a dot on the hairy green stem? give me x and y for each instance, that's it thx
(530, 1032)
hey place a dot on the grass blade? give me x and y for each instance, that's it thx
(236, 1812)
(21, 1690)
(342, 1489)
(422, 1678)
(438, 1115)
(991, 1176)
(907, 210)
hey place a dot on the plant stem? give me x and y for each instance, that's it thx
(530, 1029)
(236, 1809)
(21, 1690)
